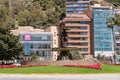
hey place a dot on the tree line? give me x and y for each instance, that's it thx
(36, 13)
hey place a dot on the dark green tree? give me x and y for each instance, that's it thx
(9, 44)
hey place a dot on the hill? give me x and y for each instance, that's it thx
(36, 13)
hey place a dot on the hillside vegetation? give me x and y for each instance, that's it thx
(114, 3)
(36, 13)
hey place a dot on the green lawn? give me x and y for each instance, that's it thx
(59, 70)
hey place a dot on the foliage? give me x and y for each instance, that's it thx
(76, 55)
(5, 17)
(64, 54)
(33, 57)
(113, 22)
(9, 45)
(71, 54)
(115, 3)
(36, 13)
(100, 57)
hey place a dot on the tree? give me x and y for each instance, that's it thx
(115, 3)
(113, 22)
(76, 55)
(69, 53)
(16, 6)
(111, 25)
(24, 18)
(10, 46)
(36, 13)
(32, 16)
(5, 17)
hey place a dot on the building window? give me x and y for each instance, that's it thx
(46, 46)
(78, 44)
(83, 22)
(35, 38)
(44, 37)
(83, 33)
(83, 27)
(117, 38)
(35, 46)
(118, 44)
(117, 49)
(54, 41)
(83, 38)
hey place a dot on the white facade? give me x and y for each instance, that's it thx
(54, 31)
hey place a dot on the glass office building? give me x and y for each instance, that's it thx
(76, 6)
(37, 43)
(103, 40)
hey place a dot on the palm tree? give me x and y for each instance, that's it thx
(111, 25)
(113, 22)
(117, 21)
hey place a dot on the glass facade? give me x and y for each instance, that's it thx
(37, 43)
(76, 7)
(102, 34)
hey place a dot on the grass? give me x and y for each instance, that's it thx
(59, 70)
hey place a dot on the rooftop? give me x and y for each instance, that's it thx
(99, 6)
(25, 29)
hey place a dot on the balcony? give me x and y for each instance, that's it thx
(78, 46)
(77, 41)
(77, 35)
(117, 41)
(77, 31)
(75, 24)
(76, 19)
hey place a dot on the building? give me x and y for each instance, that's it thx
(79, 33)
(76, 6)
(117, 36)
(55, 44)
(76, 27)
(38, 42)
(103, 40)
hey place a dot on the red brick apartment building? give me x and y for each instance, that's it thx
(78, 27)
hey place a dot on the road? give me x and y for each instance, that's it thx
(62, 77)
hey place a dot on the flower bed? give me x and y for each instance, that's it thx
(94, 66)
(14, 66)
(7, 66)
